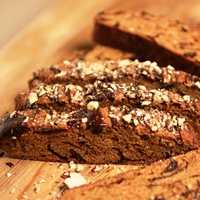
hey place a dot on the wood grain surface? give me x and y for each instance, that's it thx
(63, 27)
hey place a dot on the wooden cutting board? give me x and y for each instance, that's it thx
(63, 27)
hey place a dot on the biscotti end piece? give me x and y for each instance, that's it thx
(175, 178)
(150, 37)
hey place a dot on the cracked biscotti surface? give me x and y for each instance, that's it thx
(150, 37)
(124, 111)
(174, 179)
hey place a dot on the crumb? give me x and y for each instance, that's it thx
(97, 168)
(8, 174)
(12, 191)
(79, 168)
(37, 188)
(41, 181)
(121, 168)
(75, 180)
(60, 166)
(25, 197)
(65, 175)
(72, 165)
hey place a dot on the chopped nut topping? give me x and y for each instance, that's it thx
(26, 119)
(62, 73)
(142, 87)
(136, 122)
(197, 84)
(92, 105)
(85, 120)
(146, 103)
(181, 121)
(186, 98)
(114, 87)
(12, 114)
(127, 118)
(32, 98)
(154, 128)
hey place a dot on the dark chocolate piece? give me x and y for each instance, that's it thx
(171, 167)
(9, 124)
(9, 164)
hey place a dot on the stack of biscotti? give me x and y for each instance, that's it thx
(155, 38)
(116, 111)
(100, 107)
(177, 178)
(136, 112)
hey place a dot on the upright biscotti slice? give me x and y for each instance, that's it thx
(154, 38)
(97, 135)
(126, 71)
(177, 178)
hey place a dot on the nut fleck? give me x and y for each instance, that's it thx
(92, 105)
(127, 118)
(32, 98)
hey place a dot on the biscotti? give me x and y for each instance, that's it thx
(126, 71)
(97, 135)
(121, 110)
(99, 52)
(174, 179)
(67, 98)
(155, 38)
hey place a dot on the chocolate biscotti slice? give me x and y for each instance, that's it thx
(97, 135)
(177, 178)
(155, 38)
(67, 98)
(126, 71)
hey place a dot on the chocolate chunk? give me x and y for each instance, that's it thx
(9, 164)
(184, 28)
(96, 119)
(1, 153)
(10, 123)
(190, 54)
(171, 167)
(159, 198)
